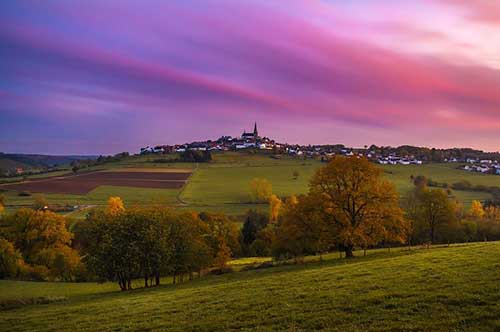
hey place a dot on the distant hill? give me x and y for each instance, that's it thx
(29, 161)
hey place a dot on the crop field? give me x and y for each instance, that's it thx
(84, 183)
(453, 288)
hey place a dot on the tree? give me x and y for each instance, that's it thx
(437, 211)
(44, 242)
(303, 228)
(41, 202)
(110, 247)
(222, 235)
(32, 231)
(9, 259)
(476, 210)
(274, 208)
(362, 208)
(115, 206)
(254, 222)
(260, 190)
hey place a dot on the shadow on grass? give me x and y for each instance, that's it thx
(241, 276)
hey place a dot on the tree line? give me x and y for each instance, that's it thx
(349, 205)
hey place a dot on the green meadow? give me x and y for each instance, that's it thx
(454, 288)
(223, 184)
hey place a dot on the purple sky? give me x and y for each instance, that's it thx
(90, 77)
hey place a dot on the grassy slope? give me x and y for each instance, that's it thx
(442, 173)
(445, 289)
(224, 185)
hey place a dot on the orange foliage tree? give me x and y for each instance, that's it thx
(362, 208)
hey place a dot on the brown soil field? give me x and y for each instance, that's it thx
(82, 184)
(151, 170)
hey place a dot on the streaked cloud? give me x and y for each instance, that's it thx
(170, 72)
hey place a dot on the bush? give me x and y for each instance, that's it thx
(221, 270)
(24, 193)
(462, 185)
(35, 273)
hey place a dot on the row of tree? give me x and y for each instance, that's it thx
(349, 205)
(122, 245)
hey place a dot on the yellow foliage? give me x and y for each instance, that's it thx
(1, 208)
(115, 206)
(260, 190)
(292, 200)
(362, 207)
(274, 208)
(476, 210)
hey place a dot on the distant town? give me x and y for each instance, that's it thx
(467, 159)
(475, 160)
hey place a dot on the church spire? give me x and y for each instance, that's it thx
(255, 133)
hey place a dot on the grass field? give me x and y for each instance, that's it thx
(441, 289)
(223, 185)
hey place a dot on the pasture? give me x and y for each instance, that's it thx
(453, 288)
(221, 185)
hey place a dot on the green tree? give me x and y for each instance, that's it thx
(254, 222)
(437, 212)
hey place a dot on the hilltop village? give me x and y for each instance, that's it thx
(473, 160)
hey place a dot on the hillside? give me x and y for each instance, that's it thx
(27, 161)
(441, 289)
(223, 184)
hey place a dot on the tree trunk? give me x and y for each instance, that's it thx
(157, 279)
(174, 279)
(349, 251)
(146, 281)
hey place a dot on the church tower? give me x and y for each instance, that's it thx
(255, 132)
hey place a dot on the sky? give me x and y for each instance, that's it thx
(102, 76)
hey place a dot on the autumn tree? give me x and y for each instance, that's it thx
(260, 190)
(489, 226)
(9, 259)
(222, 237)
(303, 228)
(115, 206)
(2, 204)
(476, 210)
(362, 208)
(44, 242)
(274, 208)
